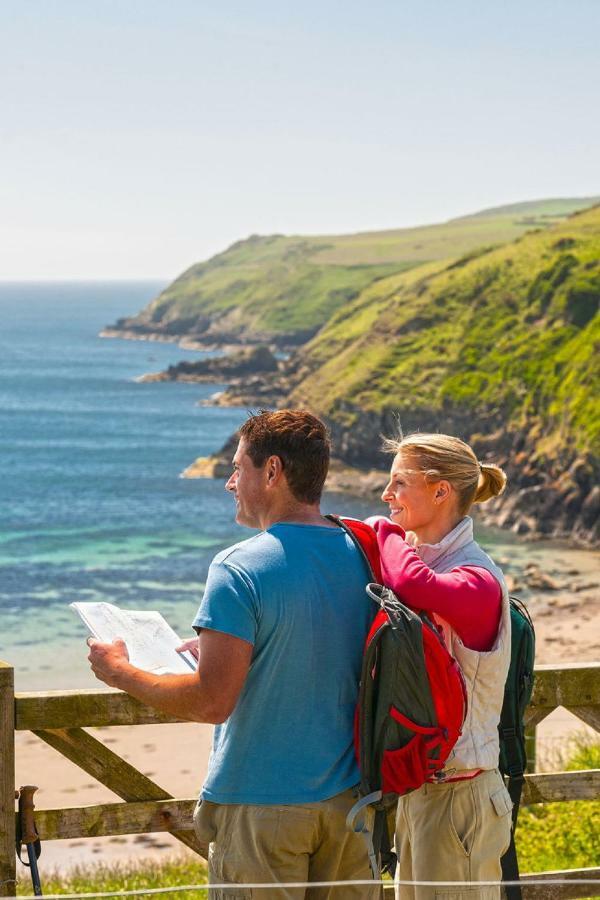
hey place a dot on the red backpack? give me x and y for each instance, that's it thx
(412, 700)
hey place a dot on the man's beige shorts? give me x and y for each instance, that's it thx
(265, 844)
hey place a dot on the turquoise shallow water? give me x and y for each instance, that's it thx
(91, 503)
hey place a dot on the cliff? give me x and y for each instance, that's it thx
(502, 348)
(282, 290)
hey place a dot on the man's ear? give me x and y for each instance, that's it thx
(274, 469)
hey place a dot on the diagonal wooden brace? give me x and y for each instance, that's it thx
(588, 714)
(110, 770)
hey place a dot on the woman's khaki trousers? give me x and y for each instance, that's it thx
(455, 831)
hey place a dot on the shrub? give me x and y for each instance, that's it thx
(583, 299)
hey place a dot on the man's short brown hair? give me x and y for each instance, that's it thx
(301, 442)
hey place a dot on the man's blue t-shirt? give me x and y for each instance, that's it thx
(297, 594)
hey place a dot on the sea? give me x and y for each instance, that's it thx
(92, 503)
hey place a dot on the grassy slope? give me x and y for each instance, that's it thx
(277, 285)
(265, 285)
(513, 331)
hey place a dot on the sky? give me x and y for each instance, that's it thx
(140, 136)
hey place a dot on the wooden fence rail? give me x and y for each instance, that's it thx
(59, 717)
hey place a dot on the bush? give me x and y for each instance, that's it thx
(583, 298)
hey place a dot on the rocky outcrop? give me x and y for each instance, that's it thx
(545, 497)
(241, 364)
(216, 466)
(548, 496)
(544, 500)
(201, 334)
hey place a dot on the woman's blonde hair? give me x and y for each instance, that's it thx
(441, 456)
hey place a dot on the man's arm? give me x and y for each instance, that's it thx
(207, 695)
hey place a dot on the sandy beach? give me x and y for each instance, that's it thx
(563, 599)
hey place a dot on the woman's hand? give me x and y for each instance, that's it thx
(191, 646)
(374, 521)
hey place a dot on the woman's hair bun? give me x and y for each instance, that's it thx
(492, 481)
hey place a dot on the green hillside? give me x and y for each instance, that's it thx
(551, 208)
(505, 341)
(285, 288)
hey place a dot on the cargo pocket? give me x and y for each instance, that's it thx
(218, 869)
(204, 825)
(503, 805)
(219, 859)
(501, 802)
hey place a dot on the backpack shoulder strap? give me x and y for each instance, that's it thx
(509, 862)
(515, 764)
(365, 539)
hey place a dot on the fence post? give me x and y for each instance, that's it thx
(7, 781)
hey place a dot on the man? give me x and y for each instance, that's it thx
(281, 629)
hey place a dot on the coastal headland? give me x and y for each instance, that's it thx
(485, 326)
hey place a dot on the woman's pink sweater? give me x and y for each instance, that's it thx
(468, 597)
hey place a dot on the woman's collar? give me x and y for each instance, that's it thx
(460, 535)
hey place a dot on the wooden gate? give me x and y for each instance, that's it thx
(59, 717)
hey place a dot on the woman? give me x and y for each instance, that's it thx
(457, 828)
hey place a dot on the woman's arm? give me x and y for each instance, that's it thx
(468, 597)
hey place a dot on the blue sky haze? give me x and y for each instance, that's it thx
(139, 137)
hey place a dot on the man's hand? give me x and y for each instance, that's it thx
(108, 660)
(207, 695)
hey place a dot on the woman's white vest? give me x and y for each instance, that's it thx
(485, 672)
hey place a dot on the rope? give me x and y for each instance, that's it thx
(366, 882)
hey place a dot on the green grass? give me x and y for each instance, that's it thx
(585, 755)
(123, 877)
(554, 836)
(285, 288)
(558, 836)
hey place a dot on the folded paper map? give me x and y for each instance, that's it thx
(150, 640)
